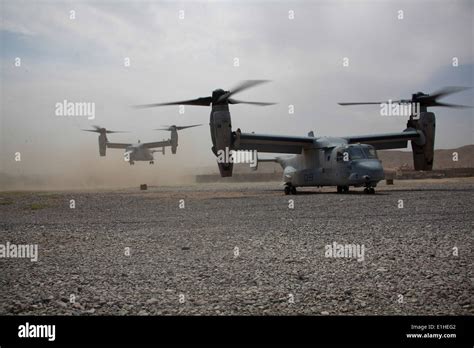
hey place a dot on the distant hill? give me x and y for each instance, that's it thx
(443, 159)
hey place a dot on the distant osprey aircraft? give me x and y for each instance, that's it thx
(138, 151)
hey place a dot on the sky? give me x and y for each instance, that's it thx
(182, 50)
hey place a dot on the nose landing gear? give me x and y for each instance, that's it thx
(368, 188)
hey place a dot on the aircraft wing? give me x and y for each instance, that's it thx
(387, 140)
(271, 143)
(117, 145)
(157, 144)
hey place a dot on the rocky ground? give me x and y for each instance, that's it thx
(240, 249)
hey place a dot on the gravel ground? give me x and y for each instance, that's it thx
(186, 261)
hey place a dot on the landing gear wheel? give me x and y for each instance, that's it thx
(369, 190)
(287, 190)
(151, 162)
(293, 190)
(339, 189)
(345, 189)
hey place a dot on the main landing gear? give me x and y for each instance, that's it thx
(290, 190)
(369, 190)
(342, 189)
(152, 162)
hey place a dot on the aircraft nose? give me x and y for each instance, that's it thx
(370, 169)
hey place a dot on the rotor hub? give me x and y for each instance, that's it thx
(217, 94)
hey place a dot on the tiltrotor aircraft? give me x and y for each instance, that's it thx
(138, 151)
(323, 161)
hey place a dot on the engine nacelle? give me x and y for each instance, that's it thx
(221, 134)
(102, 144)
(174, 141)
(423, 153)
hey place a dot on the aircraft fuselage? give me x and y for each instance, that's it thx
(338, 164)
(137, 152)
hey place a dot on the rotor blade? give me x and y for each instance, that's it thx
(99, 129)
(205, 101)
(363, 103)
(378, 103)
(169, 128)
(184, 127)
(234, 101)
(443, 92)
(423, 99)
(91, 130)
(241, 87)
(246, 85)
(447, 105)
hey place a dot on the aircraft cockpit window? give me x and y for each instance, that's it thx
(355, 153)
(370, 152)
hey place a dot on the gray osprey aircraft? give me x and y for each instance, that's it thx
(323, 161)
(138, 151)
